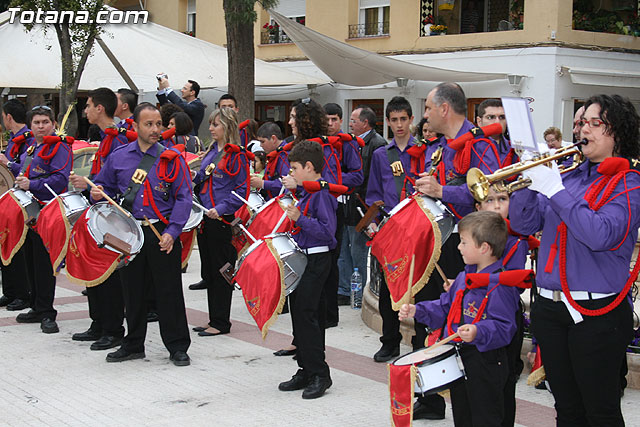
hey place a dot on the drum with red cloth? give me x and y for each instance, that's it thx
(6, 179)
(83, 153)
(438, 368)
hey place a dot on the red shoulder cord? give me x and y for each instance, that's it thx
(606, 182)
(164, 174)
(18, 141)
(296, 228)
(129, 124)
(462, 159)
(440, 176)
(103, 150)
(272, 162)
(531, 241)
(51, 146)
(332, 143)
(514, 278)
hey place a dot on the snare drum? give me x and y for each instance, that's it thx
(6, 179)
(256, 201)
(438, 368)
(293, 259)
(441, 214)
(29, 203)
(195, 218)
(105, 218)
(74, 205)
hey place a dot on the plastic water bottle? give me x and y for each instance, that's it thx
(356, 289)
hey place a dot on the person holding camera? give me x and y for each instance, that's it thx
(190, 103)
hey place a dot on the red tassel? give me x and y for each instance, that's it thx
(459, 142)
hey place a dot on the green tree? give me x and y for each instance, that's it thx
(76, 43)
(239, 16)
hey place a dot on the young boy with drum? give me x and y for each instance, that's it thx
(314, 232)
(481, 309)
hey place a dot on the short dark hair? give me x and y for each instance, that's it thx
(307, 151)
(398, 104)
(333, 109)
(418, 131)
(367, 113)
(167, 110)
(228, 96)
(622, 122)
(491, 102)
(452, 94)
(105, 97)
(129, 97)
(268, 129)
(183, 122)
(194, 86)
(311, 119)
(40, 110)
(141, 107)
(486, 226)
(17, 110)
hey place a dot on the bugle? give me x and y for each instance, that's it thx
(479, 183)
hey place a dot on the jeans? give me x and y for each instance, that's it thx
(354, 253)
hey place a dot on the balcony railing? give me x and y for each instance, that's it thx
(274, 37)
(374, 29)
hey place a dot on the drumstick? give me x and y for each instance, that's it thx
(55, 195)
(245, 201)
(198, 205)
(281, 220)
(444, 276)
(444, 341)
(109, 199)
(282, 188)
(153, 228)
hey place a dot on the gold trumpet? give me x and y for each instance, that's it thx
(479, 183)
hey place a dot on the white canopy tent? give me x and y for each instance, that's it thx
(31, 60)
(353, 66)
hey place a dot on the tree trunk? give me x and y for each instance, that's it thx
(241, 55)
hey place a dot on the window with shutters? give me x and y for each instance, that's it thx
(373, 19)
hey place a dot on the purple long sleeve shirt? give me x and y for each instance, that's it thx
(382, 185)
(16, 161)
(272, 184)
(591, 265)
(116, 175)
(222, 182)
(53, 172)
(352, 174)
(317, 222)
(498, 323)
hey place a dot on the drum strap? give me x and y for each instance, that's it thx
(137, 179)
(393, 157)
(28, 160)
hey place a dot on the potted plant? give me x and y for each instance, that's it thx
(273, 30)
(426, 25)
(440, 29)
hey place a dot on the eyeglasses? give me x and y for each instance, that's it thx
(593, 123)
(43, 107)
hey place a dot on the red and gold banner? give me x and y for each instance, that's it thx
(13, 228)
(188, 240)
(267, 218)
(239, 240)
(537, 374)
(407, 248)
(401, 383)
(55, 230)
(87, 264)
(264, 298)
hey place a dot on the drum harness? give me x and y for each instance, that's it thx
(138, 178)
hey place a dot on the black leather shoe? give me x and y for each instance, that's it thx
(198, 329)
(284, 352)
(425, 412)
(197, 286)
(106, 342)
(88, 335)
(386, 353)
(316, 387)
(152, 316)
(121, 355)
(84, 292)
(49, 326)
(5, 300)
(344, 300)
(28, 317)
(297, 382)
(17, 305)
(180, 358)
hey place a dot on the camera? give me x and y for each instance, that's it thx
(161, 76)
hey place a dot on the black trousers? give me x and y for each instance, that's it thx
(478, 400)
(166, 278)
(331, 286)
(40, 274)
(582, 361)
(307, 304)
(514, 350)
(106, 306)
(15, 282)
(216, 249)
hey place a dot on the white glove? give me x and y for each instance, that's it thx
(545, 180)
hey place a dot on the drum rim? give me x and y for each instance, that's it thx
(426, 362)
(438, 389)
(188, 226)
(134, 250)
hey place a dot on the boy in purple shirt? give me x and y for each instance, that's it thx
(477, 401)
(314, 232)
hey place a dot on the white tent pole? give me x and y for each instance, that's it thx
(117, 65)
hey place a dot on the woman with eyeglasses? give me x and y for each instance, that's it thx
(582, 316)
